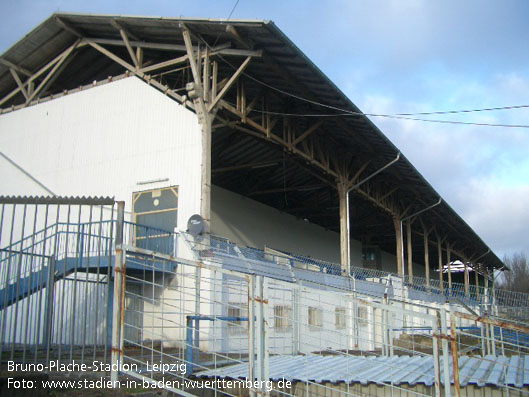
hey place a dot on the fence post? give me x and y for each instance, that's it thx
(435, 348)
(251, 332)
(196, 336)
(48, 306)
(263, 357)
(118, 309)
(295, 320)
(446, 365)
(455, 355)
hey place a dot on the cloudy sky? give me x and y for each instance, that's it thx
(399, 56)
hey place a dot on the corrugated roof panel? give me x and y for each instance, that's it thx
(412, 370)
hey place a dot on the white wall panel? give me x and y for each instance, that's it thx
(103, 141)
(249, 223)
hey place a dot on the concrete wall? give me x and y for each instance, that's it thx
(102, 142)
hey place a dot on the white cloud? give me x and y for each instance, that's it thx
(498, 213)
(482, 172)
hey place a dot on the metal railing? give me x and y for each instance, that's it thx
(185, 313)
(219, 247)
(213, 323)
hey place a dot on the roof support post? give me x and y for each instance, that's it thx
(400, 248)
(476, 277)
(449, 260)
(467, 289)
(347, 241)
(344, 220)
(410, 251)
(196, 93)
(410, 219)
(426, 256)
(440, 257)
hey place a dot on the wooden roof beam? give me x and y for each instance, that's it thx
(261, 164)
(17, 68)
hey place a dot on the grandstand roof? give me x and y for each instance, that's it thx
(264, 154)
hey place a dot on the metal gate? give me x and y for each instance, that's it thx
(55, 271)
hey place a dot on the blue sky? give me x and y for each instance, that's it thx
(398, 56)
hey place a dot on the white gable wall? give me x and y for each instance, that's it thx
(102, 142)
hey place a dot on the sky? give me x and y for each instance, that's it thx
(398, 56)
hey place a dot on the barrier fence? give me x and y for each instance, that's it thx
(202, 316)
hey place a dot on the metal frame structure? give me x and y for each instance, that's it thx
(256, 96)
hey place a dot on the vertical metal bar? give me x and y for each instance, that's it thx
(446, 365)
(110, 287)
(492, 340)
(60, 321)
(455, 355)
(266, 340)
(449, 262)
(196, 337)
(189, 346)
(119, 295)
(48, 317)
(391, 347)
(77, 264)
(29, 296)
(88, 241)
(14, 323)
(100, 240)
(435, 347)
(440, 260)
(295, 320)
(251, 332)
(50, 291)
(153, 299)
(467, 289)
(482, 337)
(7, 279)
(259, 326)
(356, 328)
(501, 340)
(383, 333)
(3, 271)
(43, 260)
(426, 259)
(373, 328)
(162, 301)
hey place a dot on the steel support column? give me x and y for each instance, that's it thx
(476, 277)
(467, 289)
(427, 261)
(399, 246)
(440, 257)
(449, 260)
(410, 251)
(118, 306)
(344, 230)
